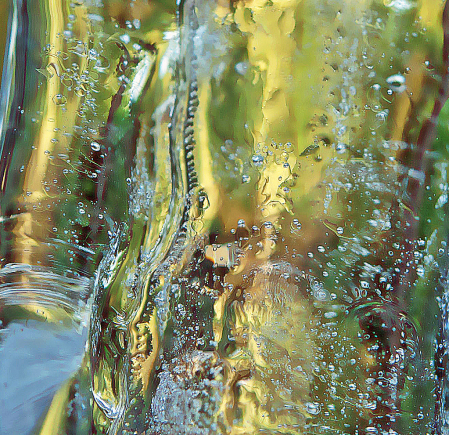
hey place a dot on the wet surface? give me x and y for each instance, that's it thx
(224, 217)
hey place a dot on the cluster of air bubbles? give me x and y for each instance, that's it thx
(257, 160)
(295, 225)
(318, 291)
(133, 24)
(81, 208)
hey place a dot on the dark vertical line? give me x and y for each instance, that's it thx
(415, 183)
(403, 278)
(20, 68)
(428, 130)
(414, 191)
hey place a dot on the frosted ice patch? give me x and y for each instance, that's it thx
(396, 82)
(400, 5)
(35, 359)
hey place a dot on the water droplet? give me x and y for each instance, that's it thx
(59, 99)
(397, 83)
(125, 38)
(313, 408)
(95, 146)
(95, 17)
(241, 223)
(340, 148)
(241, 68)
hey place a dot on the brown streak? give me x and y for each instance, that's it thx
(415, 191)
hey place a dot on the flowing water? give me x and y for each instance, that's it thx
(224, 217)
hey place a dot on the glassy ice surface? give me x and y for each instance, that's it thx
(224, 217)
